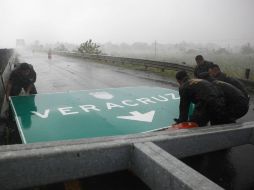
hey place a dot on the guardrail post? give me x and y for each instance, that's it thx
(247, 73)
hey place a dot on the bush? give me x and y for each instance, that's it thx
(89, 47)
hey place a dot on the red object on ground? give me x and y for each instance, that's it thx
(185, 125)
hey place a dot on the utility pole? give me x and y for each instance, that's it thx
(155, 49)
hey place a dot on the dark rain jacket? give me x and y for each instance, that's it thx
(18, 80)
(233, 81)
(201, 68)
(237, 103)
(201, 93)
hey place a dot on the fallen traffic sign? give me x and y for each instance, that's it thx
(94, 113)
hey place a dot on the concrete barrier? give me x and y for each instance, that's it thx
(6, 68)
(147, 155)
(161, 170)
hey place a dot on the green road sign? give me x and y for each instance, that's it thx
(94, 113)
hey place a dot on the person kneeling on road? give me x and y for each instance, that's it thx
(209, 101)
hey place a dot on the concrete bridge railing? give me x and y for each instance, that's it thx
(153, 157)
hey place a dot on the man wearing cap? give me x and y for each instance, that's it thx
(201, 67)
(23, 76)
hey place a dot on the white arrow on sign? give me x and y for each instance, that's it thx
(135, 115)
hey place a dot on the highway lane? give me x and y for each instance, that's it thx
(66, 74)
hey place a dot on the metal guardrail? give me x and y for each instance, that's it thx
(140, 62)
(124, 60)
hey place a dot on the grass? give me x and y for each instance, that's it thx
(166, 73)
(233, 64)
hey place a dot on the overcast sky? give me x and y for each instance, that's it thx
(117, 21)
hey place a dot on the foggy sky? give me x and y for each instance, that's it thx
(117, 21)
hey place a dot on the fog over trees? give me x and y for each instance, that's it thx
(227, 23)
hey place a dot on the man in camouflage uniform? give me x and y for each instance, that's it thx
(209, 101)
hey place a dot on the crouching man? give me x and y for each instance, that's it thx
(23, 76)
(209, 101)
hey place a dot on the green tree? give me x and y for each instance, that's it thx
(89, 47)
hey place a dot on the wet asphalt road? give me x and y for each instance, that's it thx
(231, 169)
(65, 74)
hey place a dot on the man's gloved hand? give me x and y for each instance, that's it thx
(176, 120)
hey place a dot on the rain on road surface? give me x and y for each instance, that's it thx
(68, 74)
